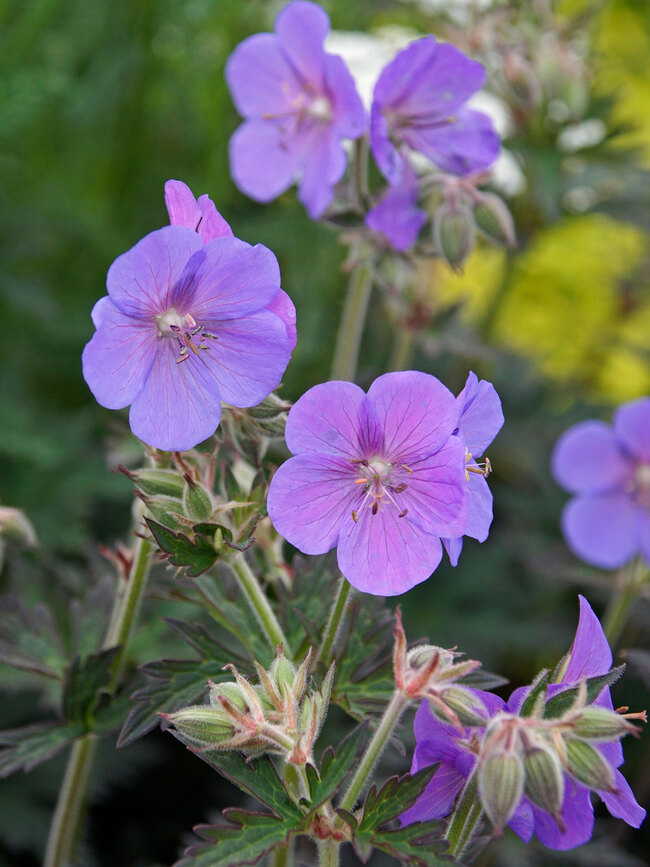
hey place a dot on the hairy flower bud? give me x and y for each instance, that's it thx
(589, 766)
(544, 778)
(166, 511)
(465, 704)
(197, 502)
(202, 725)
(494, 219)
(501, 784)
(453, 233)
(155, 482)
(600, 725)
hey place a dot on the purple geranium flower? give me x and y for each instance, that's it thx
(379, 475)
(396, 215)
(608, 522)
(298, 103)
(187, 324)
(481, 419)
(419, 102)
(437, 741)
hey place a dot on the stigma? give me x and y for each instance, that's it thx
(380, 481)
(189, 337)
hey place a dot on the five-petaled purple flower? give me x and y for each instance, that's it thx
(437, 741)
(480, 420)
(608, 468)
(380, 475)
(396, 216)
(298, 103)
(193, 316)
(419, 102)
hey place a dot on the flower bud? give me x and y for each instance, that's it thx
(600, 725)
(589, 766)
(197, 502)
(453, 233)
(231, 691)
(282, 671)
(466, 706)
(154, 482)
(501, 784)
(202, 725)
(165, 511)
(16, 527)
(494, 219)
(544, 779)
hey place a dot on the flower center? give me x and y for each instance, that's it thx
(185, 331)
(320, 109)
(380, 482)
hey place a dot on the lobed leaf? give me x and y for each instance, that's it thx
(84, 681)
(335, 766)
(197, 556)
(24, 748)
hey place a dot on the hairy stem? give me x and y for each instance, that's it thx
(466, 817)
(260, 604)
(70, 809)
(328, 851)
(391, 716)
(629, 584)
(282, 856)
(334, 622)
(348, 340)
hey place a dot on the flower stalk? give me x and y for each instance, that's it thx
(260, 604)
(348, 341)
(328, 851)
(465, 819)
(334, 622)
(631, 580)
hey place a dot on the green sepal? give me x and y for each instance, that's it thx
(562, 702)
(534, 701)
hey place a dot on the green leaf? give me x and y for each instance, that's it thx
(30, 639)
(175, 683)
(26, 747)
(563, 701)
(197, 556)
(395, 796)
(84, 682)
(246, 839)
(537, 690)
(420, 844)
(334, 767)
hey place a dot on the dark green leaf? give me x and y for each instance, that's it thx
(537, 689)
(560, 703)
(419, 844)
(197, 556)
(334, 767)
(30, 640)
(395, 796)
(26, 747)
(84, 681)
(246, 838)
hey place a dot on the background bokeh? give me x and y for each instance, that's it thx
(101, 101)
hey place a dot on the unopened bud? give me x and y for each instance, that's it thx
(229, 690)
(494, 219)
(16, 527)
(600, 725)
(166, 511)
(466, 705)
(154, 482)
(453, 233)
(501, 784)
(420, 656)
(202, 725)
(197, 502)
(282, 671)
(589, 766)
(270, 408)
(544, 779)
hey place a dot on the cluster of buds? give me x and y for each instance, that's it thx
(464, 211)
(432, 673)
(530, 757)
(278, 715)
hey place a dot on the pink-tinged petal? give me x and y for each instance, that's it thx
(623, 804)
(212, 224)
(179, 404)
(118, 358)
(349, 113)
(283, 307)
(578, 815)
(466, 143)
(453, 547)
(397, 216)
(262, 161)
(249, 356)
(234, 279)
(481, 416)
(437, 497)
(386, 555)
(181, 205)
(587, 459)
(590, 654)
(301, 28)
(601, 530)
(632, 426)
(310, 497)
(437, 800)
(418, 413)
(323, 165)
(141, 282)
(333, 418)
(262, 81)
(523, 821)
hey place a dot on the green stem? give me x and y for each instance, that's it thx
(260, 604)
(465, 819)
(348, 340)
(334, 622)
(630, 582)
(400, 356)
(282, 856)
(391, 716)
(328, 851)
(71, 805)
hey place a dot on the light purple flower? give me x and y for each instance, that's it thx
(185, 325)
(436, 741)
(481, 419)
(298, 103)
(396, 215)
(419, 102)
(380, 476)
(608, 468)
